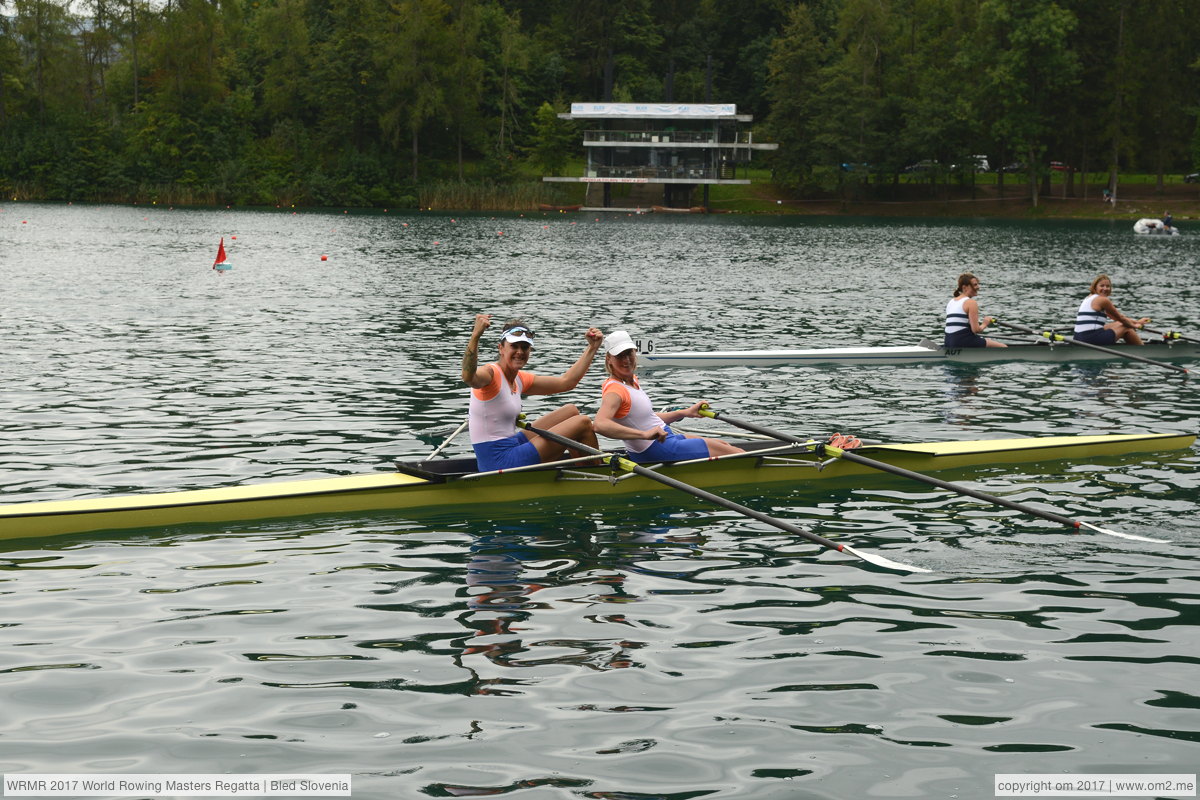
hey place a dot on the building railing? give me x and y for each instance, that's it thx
(667, 137)
(658, 173)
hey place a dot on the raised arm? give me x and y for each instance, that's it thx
(472, 375)
(550, 384)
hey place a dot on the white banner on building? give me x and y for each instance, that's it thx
(706, 110)
(614, 180)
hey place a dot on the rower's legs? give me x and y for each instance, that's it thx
(720, 447)
(560, 414)
(1123, 331)
(565, 421)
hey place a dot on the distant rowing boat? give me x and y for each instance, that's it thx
(670, 210)
(926, 352)
(546, 207)
(453, 483)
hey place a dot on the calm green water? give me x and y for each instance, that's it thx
(646, 649)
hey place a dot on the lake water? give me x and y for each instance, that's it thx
(652, 648)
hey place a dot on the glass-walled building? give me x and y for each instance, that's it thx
(674, 148)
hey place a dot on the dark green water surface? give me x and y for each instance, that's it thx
(644, 649)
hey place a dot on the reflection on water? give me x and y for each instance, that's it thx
(514, 574)
(962, 385)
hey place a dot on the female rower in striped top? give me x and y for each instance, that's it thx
(1092, 323)
(496, 392)
(626, 413)
(963, 326)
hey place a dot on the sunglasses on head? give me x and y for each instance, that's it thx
(518, 329)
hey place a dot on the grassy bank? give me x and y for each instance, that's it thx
(1137, 196)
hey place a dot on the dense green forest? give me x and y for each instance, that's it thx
(372, 102)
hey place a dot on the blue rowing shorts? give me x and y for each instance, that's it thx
(676, 447)
(1099, 336)
(967, 338)
(515, 451)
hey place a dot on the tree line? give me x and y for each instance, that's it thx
(364, 102)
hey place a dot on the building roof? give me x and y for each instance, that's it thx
(655, 111)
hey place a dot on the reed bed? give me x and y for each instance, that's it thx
(483, 196)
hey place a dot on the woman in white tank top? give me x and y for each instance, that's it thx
(626, 413)
(497, 390)
(963, 325)
(1091, 320)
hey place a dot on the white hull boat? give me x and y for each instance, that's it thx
(1154, 227)
(927, 352)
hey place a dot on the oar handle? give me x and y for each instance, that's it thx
(1057, 337)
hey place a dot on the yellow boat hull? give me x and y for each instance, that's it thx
(399, 491)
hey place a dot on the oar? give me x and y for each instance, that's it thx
(449, 439)
(1058, 337)
(850, 455)
(630, 466)
(1173, 335)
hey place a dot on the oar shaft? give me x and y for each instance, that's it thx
(1173, 335)
(667, 480)
(850, 455)
(1109, 350)
(883, 466)
(705, 411)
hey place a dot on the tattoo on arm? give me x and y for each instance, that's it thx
(469, 362)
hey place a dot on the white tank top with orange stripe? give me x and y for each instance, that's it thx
(636, 411)
(494, 408)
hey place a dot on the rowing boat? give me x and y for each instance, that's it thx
(454, 483)
(926, 352)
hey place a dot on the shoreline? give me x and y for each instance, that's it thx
(1134, 202)
(765, 199)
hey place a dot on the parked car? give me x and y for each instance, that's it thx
(1193, 178)
(1016, 166)
(977, 163)
(1059, 166)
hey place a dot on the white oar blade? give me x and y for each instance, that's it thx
(880, 561)
(1111, 532)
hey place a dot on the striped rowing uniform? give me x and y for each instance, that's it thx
(958, 326)
(1089, 324)
(492, 416)
(637, 412)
